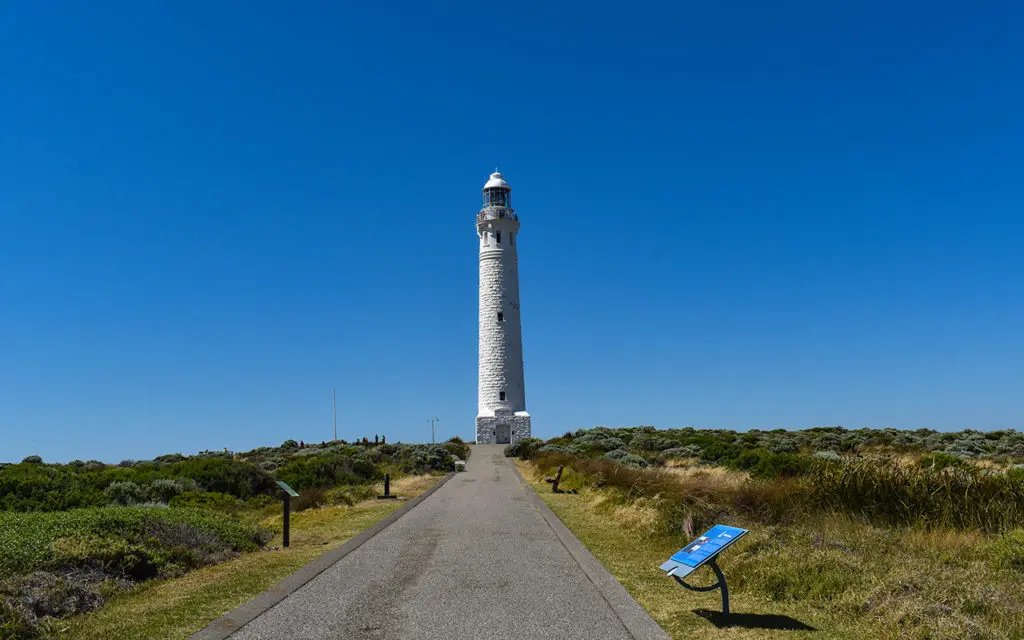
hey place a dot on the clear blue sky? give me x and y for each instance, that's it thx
(744, 215)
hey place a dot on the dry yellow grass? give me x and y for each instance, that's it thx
(845, 578)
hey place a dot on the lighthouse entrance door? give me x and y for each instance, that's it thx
(503, 434)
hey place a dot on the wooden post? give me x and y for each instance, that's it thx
(558, 478)
(387, 485)
(287, 509)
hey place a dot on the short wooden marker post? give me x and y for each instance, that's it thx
(387, 489)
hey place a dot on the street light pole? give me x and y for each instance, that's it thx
(335, 392)
(432, 421)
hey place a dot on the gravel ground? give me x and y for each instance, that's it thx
(474, 560)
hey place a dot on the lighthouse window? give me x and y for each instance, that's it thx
(501, 395)
(501, 317)
(511, 238)
(497, 237)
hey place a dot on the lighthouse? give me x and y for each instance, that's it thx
(501, 416)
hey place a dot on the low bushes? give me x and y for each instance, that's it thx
(33, 486)
(29, 603)
(66, 562)
(349, 495)
(33, 541)
(883, 492)
(524, 449)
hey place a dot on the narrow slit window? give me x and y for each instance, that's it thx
(512, 238)
(501, 395)
(501, 316)
(497, 237)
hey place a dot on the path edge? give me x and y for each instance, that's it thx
(635, 618)
(245, 613)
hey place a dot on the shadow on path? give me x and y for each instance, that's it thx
(753, 621)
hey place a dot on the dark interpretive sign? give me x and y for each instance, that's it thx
(284, 485)
(704, 548)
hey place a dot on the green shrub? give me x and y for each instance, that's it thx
(32, 460)
(459, 450)
(222, 475)
(126, 493)
(1008, 550)
(524, 449)
(28, 603)
(166, 489)
(349, 495)
(761, 463)
(81, 538)
(632, 460)
(559, 449)
(329, 471)
(942, 460)
(62, 563)
(687, 451)
(207, 500)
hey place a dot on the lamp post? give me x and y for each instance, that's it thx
(432, 421)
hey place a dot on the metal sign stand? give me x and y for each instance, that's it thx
(289, 493)
(287, 511)
(718, 585)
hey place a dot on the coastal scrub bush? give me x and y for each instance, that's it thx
(632, 460)
(1008, 550)
(686, 451)
(206, 500)
(327, 471)
(524, 449)
(28, 603)
(223, 475)
(48, 541)
(942, 460)
(126, 493)
(557, 448)
(349, 495)
(310, 498)
(166, 489)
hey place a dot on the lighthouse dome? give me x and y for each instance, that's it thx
(497, 180)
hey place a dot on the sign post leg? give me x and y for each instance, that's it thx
(722, 586)
(287, 509)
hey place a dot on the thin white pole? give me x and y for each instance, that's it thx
(335, 392)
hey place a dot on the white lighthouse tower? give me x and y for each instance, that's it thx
(502, 416)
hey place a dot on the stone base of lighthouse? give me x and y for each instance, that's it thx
(503, 427)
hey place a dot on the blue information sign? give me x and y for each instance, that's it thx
(702, 549)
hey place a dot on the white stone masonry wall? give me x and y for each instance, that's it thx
(501, 341)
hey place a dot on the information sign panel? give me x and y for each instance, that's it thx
(288, 490)
(702, 549)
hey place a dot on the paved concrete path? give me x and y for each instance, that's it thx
(477, 559)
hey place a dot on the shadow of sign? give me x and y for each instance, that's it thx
(753, 621)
